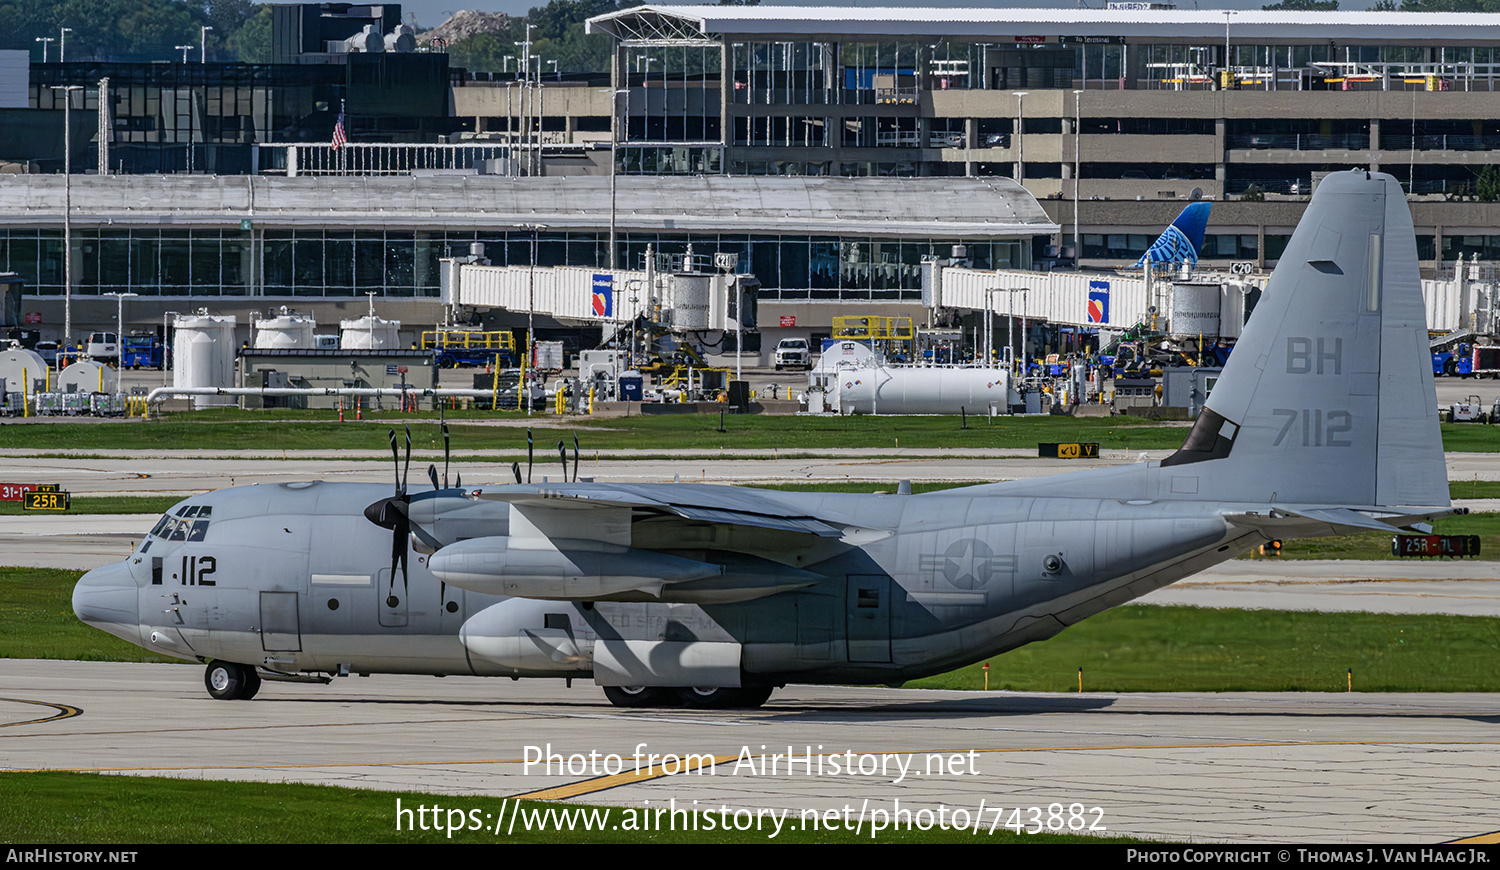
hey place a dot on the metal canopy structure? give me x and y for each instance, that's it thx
(988, 207)
(651, 26)
(986, 25)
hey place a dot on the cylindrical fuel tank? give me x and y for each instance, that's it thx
(923, 391)
(19, 367)
(203, 355)
(85, 376)
(285, 331)
(369, 333)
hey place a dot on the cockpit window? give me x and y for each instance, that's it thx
(190, 524)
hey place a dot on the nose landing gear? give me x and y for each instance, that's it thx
(227, 681)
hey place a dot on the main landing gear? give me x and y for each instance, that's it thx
(696, 697)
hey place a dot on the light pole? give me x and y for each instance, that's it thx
(62, 45)
(44, 40)
(1011, 320)
(536, 111)
(203, 44)
(614, 161)
(120, 326)
(989, 325)
(184, 49)
(1077, 166)
(1227, 14)
(635, 316)
(1020, 137)
(523, 387)
(67, 210)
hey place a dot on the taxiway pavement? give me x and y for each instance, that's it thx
(1239, 768)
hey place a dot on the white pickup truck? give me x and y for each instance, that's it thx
(793, 353)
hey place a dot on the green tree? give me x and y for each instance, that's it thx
(483, 52)
(1487, 183)
(251, 42)
(1450, 5)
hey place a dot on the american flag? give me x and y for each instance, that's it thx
(340, 138)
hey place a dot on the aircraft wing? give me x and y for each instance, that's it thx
(578, 542)
(709, 504)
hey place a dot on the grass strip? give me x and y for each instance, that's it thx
(244, 430)
(100, 504)
(1144, 648)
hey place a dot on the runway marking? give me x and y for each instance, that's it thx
(65, 711)
(604, 783)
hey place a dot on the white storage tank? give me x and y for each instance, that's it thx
(369, 333)
(923, 391)
(1195, 310)
(85, 376)
(203, 355)
(286, 331)
(20, 366)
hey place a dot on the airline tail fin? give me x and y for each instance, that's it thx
(1181, 242)
(1328, 398)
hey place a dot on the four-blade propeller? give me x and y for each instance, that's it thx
(394, 513)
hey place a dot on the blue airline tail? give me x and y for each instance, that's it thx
(1182, 241)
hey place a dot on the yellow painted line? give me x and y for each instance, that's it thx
(65, 711)
(1489, 839)
(602, 783)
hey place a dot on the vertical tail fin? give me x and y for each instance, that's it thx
(1182, 242)
(1328, 397)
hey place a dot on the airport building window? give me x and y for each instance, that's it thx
(1297, 134)
(1148, 126)
(1487, 247)
(783, 73)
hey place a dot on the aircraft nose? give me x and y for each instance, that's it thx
(106, 598)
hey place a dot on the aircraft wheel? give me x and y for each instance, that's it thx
(638, 696)
(226, 681)
(723, 698)
(252, 684)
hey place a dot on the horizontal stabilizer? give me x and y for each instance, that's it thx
(1376, 519)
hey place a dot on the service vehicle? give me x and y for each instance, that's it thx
(793, 353)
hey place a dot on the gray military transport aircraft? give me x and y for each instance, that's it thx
(1324, 420)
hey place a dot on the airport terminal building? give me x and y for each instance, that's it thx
(850, 144)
